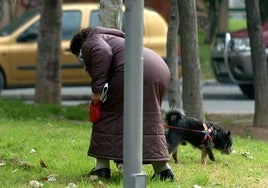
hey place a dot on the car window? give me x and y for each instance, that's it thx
(15, 24)
(70, 23)
(30, 34)
(94, 18)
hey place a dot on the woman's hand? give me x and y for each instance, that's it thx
(96, 97)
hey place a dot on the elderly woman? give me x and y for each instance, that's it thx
(102, 52)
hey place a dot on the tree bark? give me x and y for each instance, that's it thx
(174, 94)
(258, 57)
(213, 20)
(192, 86)
(48, 81)
(111, 13)
(223, 16)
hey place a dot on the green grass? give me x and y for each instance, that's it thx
(59, 135)
(237, 24)
(204, 54)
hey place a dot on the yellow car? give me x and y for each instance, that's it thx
(18, 44)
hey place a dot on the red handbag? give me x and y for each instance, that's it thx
(95, 111)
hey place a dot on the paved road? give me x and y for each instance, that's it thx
(218, 98)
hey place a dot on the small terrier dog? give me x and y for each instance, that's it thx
(203, 135)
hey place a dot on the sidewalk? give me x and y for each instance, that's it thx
(68, 93)
(216, 97)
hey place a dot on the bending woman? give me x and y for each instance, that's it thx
(102, 52)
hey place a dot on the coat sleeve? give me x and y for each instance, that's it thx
(98, 55)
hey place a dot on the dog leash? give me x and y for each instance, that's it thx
(181, 128)
(206, 131)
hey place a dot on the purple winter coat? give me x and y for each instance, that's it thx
(103, 52)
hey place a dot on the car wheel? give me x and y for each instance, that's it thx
(2, 81)
(247, 90)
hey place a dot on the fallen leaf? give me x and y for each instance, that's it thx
(93, 178)
(35, 184)
(52, 178)
(42, 163)
(101, 184)
(247, 155)
(19, 162)
(71, 185)
(2, 163)
(32, 151)
(44, 179)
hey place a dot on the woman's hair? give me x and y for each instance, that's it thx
(78, 40)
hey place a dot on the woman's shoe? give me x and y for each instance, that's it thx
(101, 173)
(164, 175)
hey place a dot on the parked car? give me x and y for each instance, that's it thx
(18, 44)
(231, 59)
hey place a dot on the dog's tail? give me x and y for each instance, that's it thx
(173, 116)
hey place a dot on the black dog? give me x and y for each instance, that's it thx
(202, 135)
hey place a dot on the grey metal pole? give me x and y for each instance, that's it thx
(133, 96)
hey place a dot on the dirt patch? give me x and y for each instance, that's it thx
(241, 125)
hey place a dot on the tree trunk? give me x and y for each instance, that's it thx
(223, 16)
(263, 5)
(259, 63)
(192, 86)
(213, 20)
(174, 95)
(48, 81)
(111, 13)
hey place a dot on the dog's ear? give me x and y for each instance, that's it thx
(228, 133)
(209, 123)
(212, 124)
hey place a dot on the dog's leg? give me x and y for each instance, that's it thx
(203, 154)
(175, 155)
(208, 146)
(210, 154)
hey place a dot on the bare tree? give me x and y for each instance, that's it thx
(223, 16)
(111, 13)
(213, 20)
(48, 81)
(218, 18)
(192, 87)
(260, 77)
(174, 95)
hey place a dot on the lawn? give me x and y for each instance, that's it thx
(237, 24)
(48, 144)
